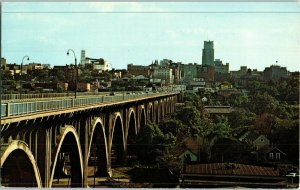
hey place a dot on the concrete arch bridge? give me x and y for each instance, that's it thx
(44, 141)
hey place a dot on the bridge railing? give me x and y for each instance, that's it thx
(16, 97)
(3, 110)
(18, 108)
(25, 97)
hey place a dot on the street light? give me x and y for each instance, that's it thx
(21, 71)
(76, 70)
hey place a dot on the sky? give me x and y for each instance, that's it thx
(252, 34)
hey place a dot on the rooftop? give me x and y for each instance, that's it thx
(231, 169)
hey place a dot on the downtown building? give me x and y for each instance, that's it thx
(138, 70)
(96, 64)
(275, 73)
(208, 53)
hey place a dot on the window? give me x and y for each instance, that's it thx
(277, 156)
(262, 140)
(271, 156)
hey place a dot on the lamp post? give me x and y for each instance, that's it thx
(21, 71)
(76, 70)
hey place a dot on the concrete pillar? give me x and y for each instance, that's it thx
(43, 154)
(85, 150)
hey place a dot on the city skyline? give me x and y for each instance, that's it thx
(250, 34)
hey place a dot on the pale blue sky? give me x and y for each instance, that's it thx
(251, 34)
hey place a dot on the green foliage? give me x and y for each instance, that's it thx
(290, 92)
(222, 128)
(153, 142)
(7, 75)
(190, 97)
(286, 137)
(262, 103)
(282, 91)
(189, 116)
(241, 118)
(85, 76)
(106, 76)
(266, 109)
(197, 121)
(175, 127)
(238, 100)
(264, 123)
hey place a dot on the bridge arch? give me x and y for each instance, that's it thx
(170, 104)
(142, 118)
(132, 127)
(25, 172)
(131, 134)
(98, 149)
(166, 106)
(162, 104)
(117, 148)
(69, 145)
(150, 112)
(156, 111)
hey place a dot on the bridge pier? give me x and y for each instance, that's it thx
(43, 154)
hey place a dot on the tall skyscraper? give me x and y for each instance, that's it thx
(208, 53)
(83, 58)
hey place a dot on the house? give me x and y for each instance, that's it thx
(188, 156)
(225, 85)
(256, 140)
(260, 142)
(271, 154)
(228, 92)
(63, 86)
(189, 152)
(83, 87)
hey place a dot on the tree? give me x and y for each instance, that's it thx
(7, 75)
(192, 117)
(85, 76)
(106, 76)
(176, 127)
(262, 103)
(190, 97)
(264, 124)
(153, 142)
(241, 118)
(237, 100)
(286, 137)
(222, 128)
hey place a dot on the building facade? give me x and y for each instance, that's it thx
(220, 67)
(207, 73)
(97, 64)
(208, 53)
(138, 70)
(275, 73)
(239, 73)
(176, 72)
(189, 71)
(164, 74)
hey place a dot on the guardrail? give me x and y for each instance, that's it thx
(15, 97)
(18, 108)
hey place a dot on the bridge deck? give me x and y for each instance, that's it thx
(18, 111)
